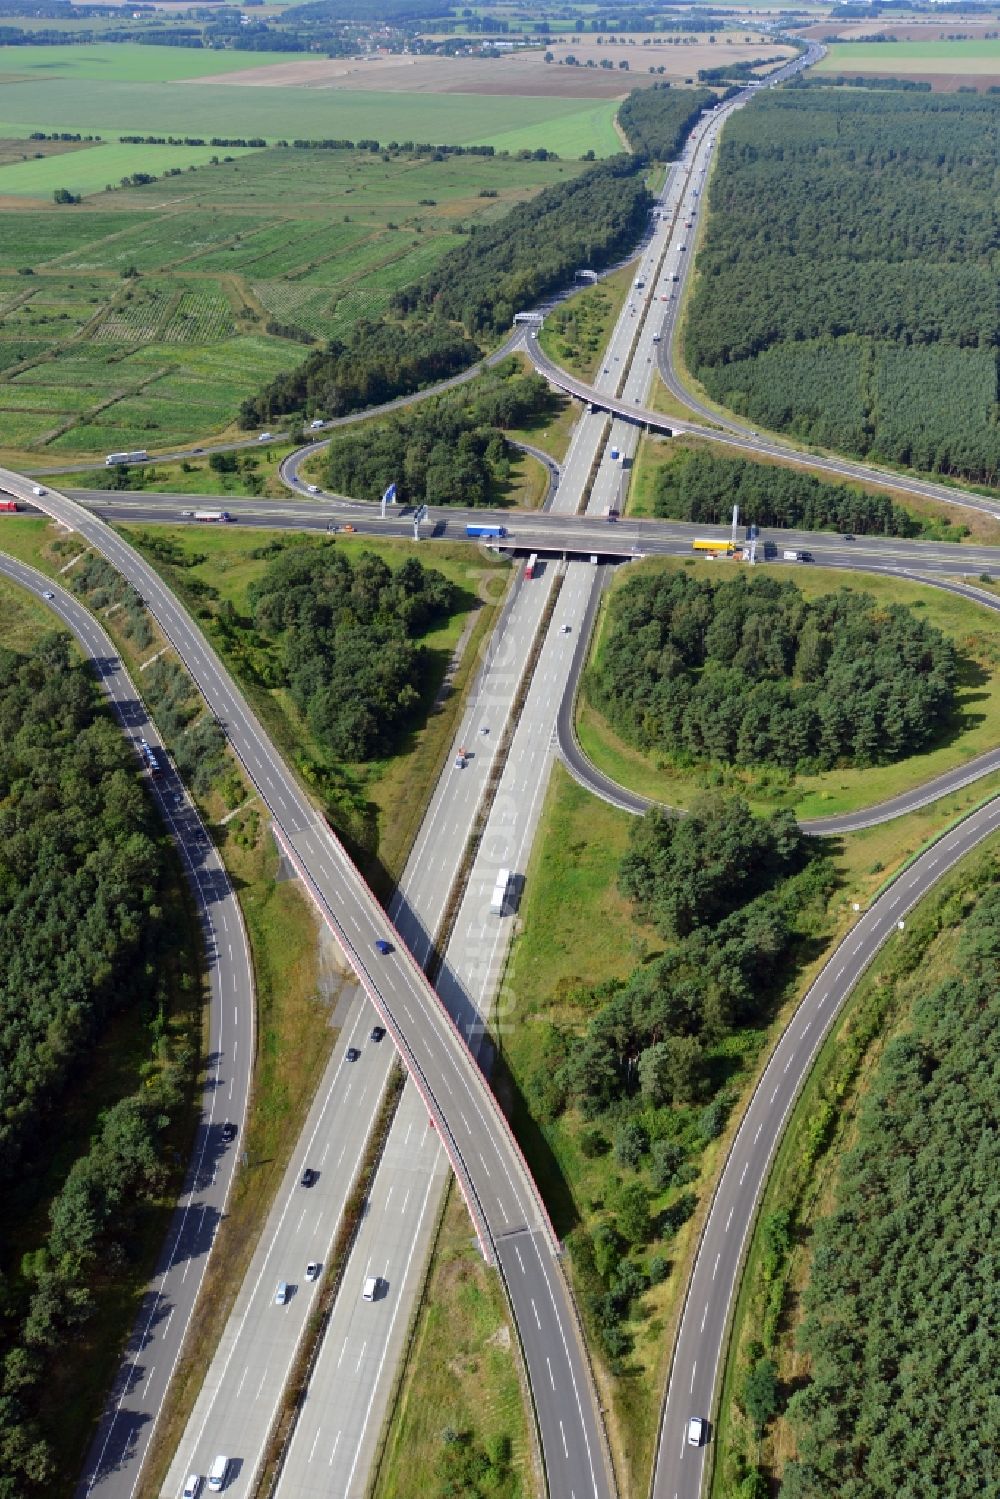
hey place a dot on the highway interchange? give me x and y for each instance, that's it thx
(507, 1214)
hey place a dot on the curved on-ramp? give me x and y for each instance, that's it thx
(504, 1203)
(122, 1439)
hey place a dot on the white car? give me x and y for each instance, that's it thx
(38, 489)
(312, 489)
(193, 1486)
(695, 1431)
(315, 424)
(264, 437)
(48, 594)
(312, 1270)
(565, 629)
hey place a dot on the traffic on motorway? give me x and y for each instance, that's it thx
(440, 1037)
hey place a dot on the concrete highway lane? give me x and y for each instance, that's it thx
(121, 1442)
(235, 1409)
(715, 1278)
(501, 1196)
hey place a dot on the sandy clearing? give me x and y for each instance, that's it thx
(523, 73)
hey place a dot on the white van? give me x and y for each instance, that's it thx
(695, 1431)
(371, 1288)
(217, 1474)
(281, 1294)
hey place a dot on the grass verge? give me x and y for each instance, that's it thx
(376, 806)
(576, 332)
(976, 726)
(461, 1389)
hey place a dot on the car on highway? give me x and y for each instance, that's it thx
(695, 1431)
(47, 593)
(378, 1032)
(370, 1289)
(229, 1131)
(308, 1177)
(565, 629)
(352, 1053)
(315, 424)
(264, 437)
(348, 527)
(312, 1270)
(332, 528)
(38, 489)
(484, 728)
(282, 1294)
(847, 536)
(312, 489)
(193, 1486)
(384, 947)
(217, 1474)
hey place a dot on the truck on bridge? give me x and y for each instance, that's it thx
(486, 530)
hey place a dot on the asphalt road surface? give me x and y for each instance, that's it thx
(502, 1199)
(715, 1278)
(122, 1438)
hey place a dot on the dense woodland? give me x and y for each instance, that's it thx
(847, 290)
(79, 873)
(536, 249)
(375, 363)
(658, 120)
(82, 936)
(732, 896)
(448, 450)
(900, 1325)
(697, 486)
(749, 672)
(347, 641)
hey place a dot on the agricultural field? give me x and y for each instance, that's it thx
(141, 321)
(940, 56)
(566, 126)
(104, 164)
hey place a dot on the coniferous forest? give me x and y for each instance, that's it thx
(900, 1323)
(749, 672)
(87, 933)
(847, 287)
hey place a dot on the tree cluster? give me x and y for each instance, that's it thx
(901, 1299)
(732, 895)
(346, 638)
(749, 672)
(697, 486)
(509, 265)
(375, 362)
(847, 291)
(658, 120)
(449, 450)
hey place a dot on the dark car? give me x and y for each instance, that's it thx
(229, 1131)
(847, 536)
(352, 1053)
(384, 947)
(378, 1032)
(308, 1177)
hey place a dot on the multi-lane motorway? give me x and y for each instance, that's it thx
(332, 1443)
(123, 1435)
(506, 1209)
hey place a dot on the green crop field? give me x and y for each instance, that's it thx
(90, 171)
(139, 319)
(567, 126)
(980, 56)
(126, 62)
